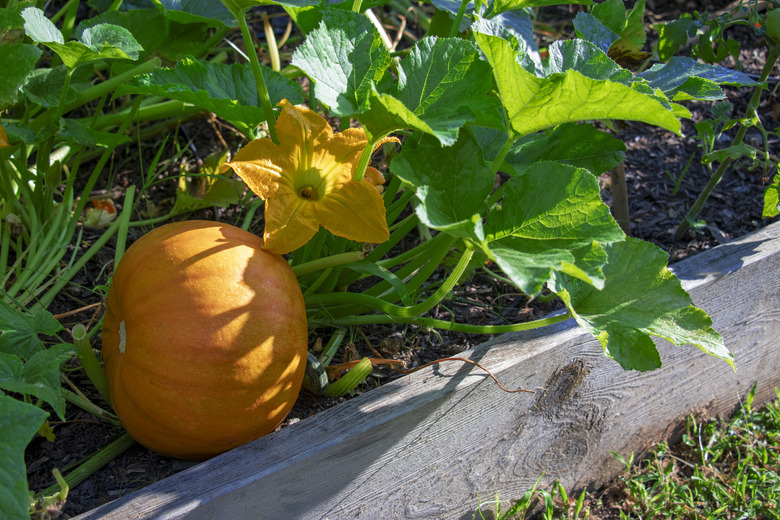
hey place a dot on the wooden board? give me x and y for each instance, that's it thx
(437, 443)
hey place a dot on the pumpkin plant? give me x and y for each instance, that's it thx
(493, 152)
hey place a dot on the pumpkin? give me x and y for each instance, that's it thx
(204, 339)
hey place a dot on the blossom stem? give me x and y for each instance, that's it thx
(262, 89)
(327, 262)
(365, 159)
(455, 29)
(443, 324)
(356, 6)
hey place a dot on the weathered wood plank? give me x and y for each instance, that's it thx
(434, 443)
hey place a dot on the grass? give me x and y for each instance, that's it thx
(722, 469)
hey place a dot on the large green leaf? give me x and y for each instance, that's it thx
(443, 84)
(452, 184)
(578, 145)
(19, 331)
(534, 103)
(772, 198)
(641, 298)
(345, 57)
(551, 219)
(227, 90)
(500, 6)
(18, 423)
(619, 33)
(100, 42)
(39, 376)
(155, 31)
(685, 78)
(18, 61)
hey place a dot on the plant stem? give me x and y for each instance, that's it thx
(89, 361)
(442, 324)
(375, 303)
(262, 89)
(124, 224)
(96, 461)
(327, 262)
(455, 28)
(99, 90)
(772, 57)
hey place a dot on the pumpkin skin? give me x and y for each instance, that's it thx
(204, 339)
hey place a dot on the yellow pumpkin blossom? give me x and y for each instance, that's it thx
(307, 181)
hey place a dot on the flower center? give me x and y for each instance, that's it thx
(308, 193)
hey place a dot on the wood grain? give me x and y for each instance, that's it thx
(438, 442)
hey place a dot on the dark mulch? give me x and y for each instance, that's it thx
(654, 158)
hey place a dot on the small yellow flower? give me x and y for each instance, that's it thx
(307, 181)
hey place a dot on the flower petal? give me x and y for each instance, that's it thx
(260, 165)
(355, 211)
(3, 138)
(290, 222)
(302, 133)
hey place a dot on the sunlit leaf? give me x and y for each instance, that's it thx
(534, 103)
(551, 219)
(345, 57)
(684, 78)
(641, 298)
(227, 90)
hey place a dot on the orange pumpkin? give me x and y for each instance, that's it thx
(204, 339)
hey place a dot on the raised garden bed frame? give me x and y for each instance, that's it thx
(437, 443)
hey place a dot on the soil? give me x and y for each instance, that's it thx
(654, 159)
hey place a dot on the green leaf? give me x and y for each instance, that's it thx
(591, 29)
(238, 6)
(11, 25)
(674, 35)
(207, 189)
(578, 145)
(19, 331)
(732, 152)
(18, 423)
(534, 103)
(155, 31)
(39, 376)
(75, 132)
(345, 57)
(641, 298)
(103, 41)
(445, 83)
(44, 86)
(500, 6)
(685, 78)
(198, 11)
(18, 61)
(442, 85)
(772, 199)
(452, 184)
(39, 28)
(551, 219)
(227, 90)
(583, 57)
